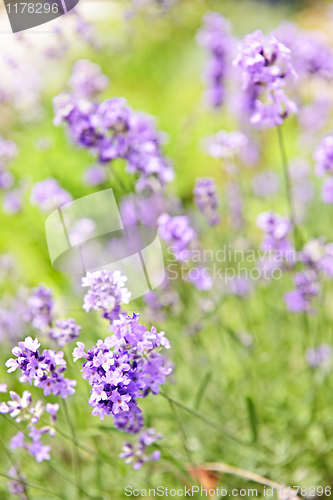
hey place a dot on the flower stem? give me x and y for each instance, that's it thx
(206, 420)
(288, 184)
(33, 486)
(76, 456)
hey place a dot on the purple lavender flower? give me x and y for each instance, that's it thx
(12, 201)
(22, 410)
(136, 454)
(310, 50)
(307, 287)
(17, 486)
(277, 229)
(107, 293)
(227, 145)
(177, 232)
(205, 197)
(200, 278)
(215, 37)
(8, 150)
(65, 331)
(122, 368)
(265, 64)
(320, 356)
(6, 179)
(40, 305)
(95, 175)
(113, 130)
(45, 369)
(87, 80)
(324, 156)
(48, 195)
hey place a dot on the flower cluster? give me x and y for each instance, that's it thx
(45, 369)
(107, 293)
(320, 356)
(48, 195)
(22, 410)
(205, 197)
(265, 64)
(215, 37)
(310, 50)
(277, 229)
(177, 232)
(40, 305)
(87, 80)
(122, 368)
(113, 130)
(226, 145)
(136, 454)
(317, 258)
(17, 486)
(307, 287)
(65, 331)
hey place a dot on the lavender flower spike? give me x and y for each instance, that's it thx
(205, 198)
(107, 293)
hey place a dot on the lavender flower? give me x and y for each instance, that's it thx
(277, 229)
(320, 356)
(307, 287)
(41, 368)
(177, 232)
(22, 410)
(206, 199)
(12, 201)
(215, 37)
(95, 175)
(113, 130)
(122, 368)
(200, 278)
(227, 145)
(65, 331)
(48, 195)
(136, 454)
(265, 65)
(40, 305)
(17, 486)
(310, 50)
(87, 80)
(107, 293)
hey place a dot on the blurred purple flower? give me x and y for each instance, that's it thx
(205, 197)
(265, 64)
(136, 454)
(200, 278)
(95, 175)
(48, 195)
(87, 80)
(177, 233)
(320, 356)
(215, 36)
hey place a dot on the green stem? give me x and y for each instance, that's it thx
(288, 184)
(206, 420)
(15, 467)
(32, 485)
(76, 456)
